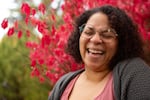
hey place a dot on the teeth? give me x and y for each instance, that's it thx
(95, 51)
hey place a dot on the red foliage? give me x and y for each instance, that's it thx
(19, 34)
(41, 8)
(25, 9)
(27, 33)
(48, 58)
(10, 31)
(4, 23)
(33, 11)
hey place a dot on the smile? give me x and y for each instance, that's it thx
(94, 51)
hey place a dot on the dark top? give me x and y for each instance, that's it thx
(131, 81)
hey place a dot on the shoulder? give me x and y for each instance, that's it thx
(68, 77)
(134, 69)
(132, 78)
(61, 85)
(131, 65)
(130, 68)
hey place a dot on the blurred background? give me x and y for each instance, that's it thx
(29, 71)
(16, 82)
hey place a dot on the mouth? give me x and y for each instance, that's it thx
(95, 51)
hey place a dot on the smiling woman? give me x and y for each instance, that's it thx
(106, 41)
(97, 50)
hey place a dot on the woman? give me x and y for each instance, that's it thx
(108, 43)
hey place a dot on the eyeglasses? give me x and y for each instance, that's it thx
(107, 35)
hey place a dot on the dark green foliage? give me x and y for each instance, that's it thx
(15, 80)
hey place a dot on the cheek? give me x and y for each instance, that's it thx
(82, 46)
(113, 48)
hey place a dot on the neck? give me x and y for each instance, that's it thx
(95, 76)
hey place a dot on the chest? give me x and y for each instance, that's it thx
(88, 91)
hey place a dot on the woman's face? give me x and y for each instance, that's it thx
(98, 42)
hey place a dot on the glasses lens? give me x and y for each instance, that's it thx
(106, 35)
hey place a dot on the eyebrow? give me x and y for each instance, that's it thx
(90, 27)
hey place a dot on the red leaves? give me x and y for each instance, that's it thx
(46, 40)
(19, 34)
(42, 27)
(53, 30)
(139, 11)
(25, 9)
(10, 31)
(33, 63)
(52, 76)
(35, 72)
(48, 53)
(16, 24)
(33, 11)
(53, 17)
(27, 33)
(42, 8)
(51, 46)
(31, 45)
(4, 23)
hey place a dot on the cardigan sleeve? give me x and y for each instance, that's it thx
(136, 80)
(61, 84)
(132, 80)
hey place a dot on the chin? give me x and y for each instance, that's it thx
(94, 66)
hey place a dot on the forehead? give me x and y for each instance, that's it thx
(98, 20)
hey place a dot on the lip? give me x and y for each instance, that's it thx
(95, 53)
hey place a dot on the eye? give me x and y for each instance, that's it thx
(87, 32)
(107, 34)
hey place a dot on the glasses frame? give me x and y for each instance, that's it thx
(81, 30)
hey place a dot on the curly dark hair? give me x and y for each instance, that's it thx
(130, 43)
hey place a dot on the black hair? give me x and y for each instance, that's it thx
(129, 40)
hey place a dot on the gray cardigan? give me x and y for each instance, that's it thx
(131, 81)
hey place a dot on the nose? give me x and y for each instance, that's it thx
(96, 38)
